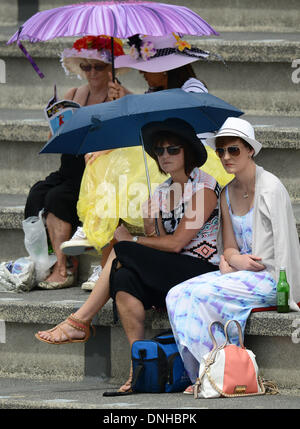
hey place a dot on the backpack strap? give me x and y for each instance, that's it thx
(167, 332)
(170, 340)
(138, 370)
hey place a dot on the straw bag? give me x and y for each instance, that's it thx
(228, 370)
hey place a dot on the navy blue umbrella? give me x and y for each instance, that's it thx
(118, 123)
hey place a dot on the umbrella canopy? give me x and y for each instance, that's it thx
(116, 19)
(118, 123)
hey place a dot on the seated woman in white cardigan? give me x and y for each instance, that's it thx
(257, 236)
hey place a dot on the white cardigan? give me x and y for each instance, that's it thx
(275, 238)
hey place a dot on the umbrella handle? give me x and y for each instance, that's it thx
(148, 179)
(112, 60)
(30, 59)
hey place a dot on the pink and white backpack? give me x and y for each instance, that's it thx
(228, 370)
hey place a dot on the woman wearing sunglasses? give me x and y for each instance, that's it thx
(90, 59)
(257, 236)
(141, 270)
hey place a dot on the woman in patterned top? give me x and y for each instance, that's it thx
(203, 244)
(186, 208)
(141, 270)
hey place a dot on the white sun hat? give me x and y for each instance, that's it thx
(236, 127)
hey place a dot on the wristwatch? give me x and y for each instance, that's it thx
(135, 238)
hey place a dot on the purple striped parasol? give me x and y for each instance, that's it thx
(115, 19)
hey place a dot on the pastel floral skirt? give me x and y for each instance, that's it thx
(195, 303)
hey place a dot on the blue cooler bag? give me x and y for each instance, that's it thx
(157, 365)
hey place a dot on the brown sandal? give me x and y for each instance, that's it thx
(74, 322)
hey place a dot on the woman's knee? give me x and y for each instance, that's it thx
(175, 293)
(126, 299)
(51, 219)
(129, 306)
(122, 297)
(57, 225)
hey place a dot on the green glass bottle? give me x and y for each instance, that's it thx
(283, 293)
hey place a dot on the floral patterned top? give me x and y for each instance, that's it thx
(203, 245)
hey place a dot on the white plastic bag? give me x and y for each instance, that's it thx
(17, 276)
(37, 246)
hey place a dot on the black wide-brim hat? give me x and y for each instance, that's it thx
(178, 127)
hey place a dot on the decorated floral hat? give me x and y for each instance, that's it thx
(159, 53)
(90, 48)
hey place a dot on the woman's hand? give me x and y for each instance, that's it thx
(115, 90)
(150, 210)
(246, 262)
(91, 157)
(122, 234)
(224, 267)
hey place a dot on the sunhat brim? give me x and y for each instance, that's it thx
(152, 128)
(256, 145)
(71, 59)
(154, 65)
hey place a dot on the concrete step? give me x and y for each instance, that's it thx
(273, 337)
(240, 15)
(235, 15)
(9, 12)
(23, 133)
(257, 79)
(87, 394)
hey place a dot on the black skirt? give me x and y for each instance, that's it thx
(148, 274)
(59, 192)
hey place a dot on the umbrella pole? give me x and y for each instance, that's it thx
(112, 60)
(148, 179)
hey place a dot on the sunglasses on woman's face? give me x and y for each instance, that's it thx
(172, 150)
(96, 67)
(232, 150)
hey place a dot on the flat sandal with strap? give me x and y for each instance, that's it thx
(126, 389)
(74, 322)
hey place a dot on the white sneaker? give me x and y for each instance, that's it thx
(77, 244)
(90, 283)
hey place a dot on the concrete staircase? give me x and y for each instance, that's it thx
(259, 43)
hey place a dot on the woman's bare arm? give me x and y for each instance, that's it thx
(195, 217)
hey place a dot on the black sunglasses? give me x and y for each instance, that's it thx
(232, 150)
(89, 67)
(172, 150)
